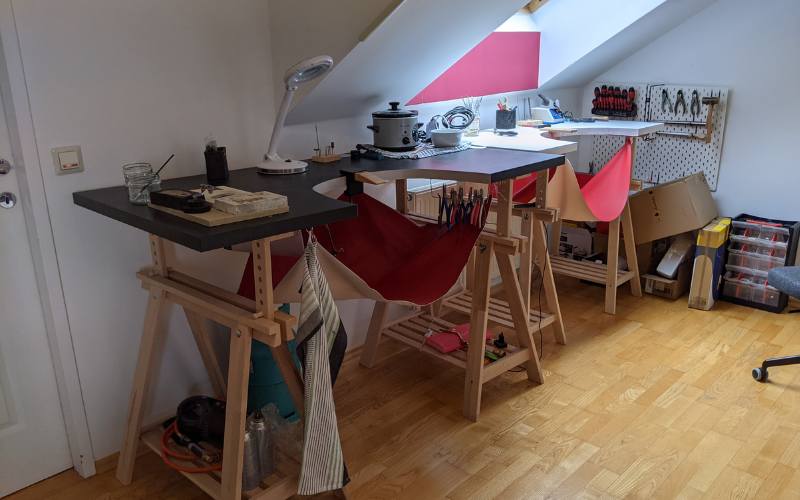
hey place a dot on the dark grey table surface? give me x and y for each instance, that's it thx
(307, 208)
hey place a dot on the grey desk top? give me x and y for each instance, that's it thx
(307, 207)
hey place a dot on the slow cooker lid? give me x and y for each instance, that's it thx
(394, 112)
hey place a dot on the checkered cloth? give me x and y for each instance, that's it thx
(424, 153)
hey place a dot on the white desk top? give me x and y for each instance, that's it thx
(529, 139)
(611, 127)
(532, 139)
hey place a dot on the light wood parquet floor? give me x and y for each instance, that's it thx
(655, 402)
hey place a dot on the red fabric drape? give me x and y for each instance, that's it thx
(398, 258)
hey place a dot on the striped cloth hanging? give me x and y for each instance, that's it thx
(321, 341)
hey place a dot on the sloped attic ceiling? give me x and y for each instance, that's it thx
(416, 44)
(300, 29)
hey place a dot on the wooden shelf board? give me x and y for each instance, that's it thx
(499, 311)
(589, 271)
(411, 331)
(281, 485)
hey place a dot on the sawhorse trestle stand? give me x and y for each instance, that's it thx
(476, 301)
(609, 273)
(248, 320)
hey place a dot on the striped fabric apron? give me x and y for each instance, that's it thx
(321, 343)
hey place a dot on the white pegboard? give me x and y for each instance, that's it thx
(665, 158)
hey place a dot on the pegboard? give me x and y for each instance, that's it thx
(661, 158)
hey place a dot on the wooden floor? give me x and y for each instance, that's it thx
(655, 402)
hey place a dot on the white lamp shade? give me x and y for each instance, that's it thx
(307, 70)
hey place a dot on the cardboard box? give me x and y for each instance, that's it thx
(708, 264)
(648, 255)
(675, 207)
(669, 288)
(575, 243)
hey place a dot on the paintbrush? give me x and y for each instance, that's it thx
(155, 174)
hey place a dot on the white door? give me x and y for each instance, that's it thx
(33, 439)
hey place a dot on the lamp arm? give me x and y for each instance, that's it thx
(276, 131)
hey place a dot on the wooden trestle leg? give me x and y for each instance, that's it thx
(196, 299)
(479, 318)
(141, 384)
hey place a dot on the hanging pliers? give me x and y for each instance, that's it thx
(666, 102)
(695, 107)
(680, 100)
(442, 206)
(469, 208)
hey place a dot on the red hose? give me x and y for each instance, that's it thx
(170, 430)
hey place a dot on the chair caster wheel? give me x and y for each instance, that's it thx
(760, 375)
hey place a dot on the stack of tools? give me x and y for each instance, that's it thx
(470, 211)
(613, 101)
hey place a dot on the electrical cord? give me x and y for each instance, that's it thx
(459, 113)
(165, 450)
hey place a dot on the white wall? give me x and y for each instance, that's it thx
(138, 81)
(754, 50)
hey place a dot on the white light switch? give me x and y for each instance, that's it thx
(67, 160)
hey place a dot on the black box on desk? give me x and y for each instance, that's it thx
(216, 165)
(505, 119)
(753, 249)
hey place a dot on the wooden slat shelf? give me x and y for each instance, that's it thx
(499, 311)
(589, 271)
(411, 331)
(280, 485)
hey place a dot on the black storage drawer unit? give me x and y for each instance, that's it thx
(757, 245)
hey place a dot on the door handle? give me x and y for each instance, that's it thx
(7, 200)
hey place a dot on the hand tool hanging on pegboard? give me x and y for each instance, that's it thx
(666, 102)
(679, 100)
(695, 107)
(711, 101)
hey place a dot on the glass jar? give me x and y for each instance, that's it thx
(139, 188)
(132, 170)
(474, 127)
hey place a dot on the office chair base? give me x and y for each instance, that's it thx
(761, 374)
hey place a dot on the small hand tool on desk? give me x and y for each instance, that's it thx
(695, 107)
(603, 97)
(666, 102)
(617, 98)
(679, 100)
(632, 97)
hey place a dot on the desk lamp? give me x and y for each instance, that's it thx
(302, 72)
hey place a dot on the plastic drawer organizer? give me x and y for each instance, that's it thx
(756, 246)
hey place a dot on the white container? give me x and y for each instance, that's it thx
(446, 137)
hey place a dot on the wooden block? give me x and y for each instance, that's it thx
(369, 178)
(326, 158)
